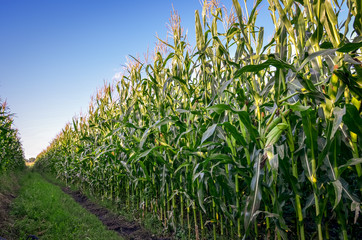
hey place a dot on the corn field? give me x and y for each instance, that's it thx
(11, 152)
(234, 138)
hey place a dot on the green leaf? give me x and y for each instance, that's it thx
(179, 110)
(130, 125)
(253, 11)
(297, 106)
(282, 11)
(145, 153)
(308, 203)
(245, 119)
(144, 137)
(253, 200)
(162, 122)
(208, 133)
(306, 164)
(200, 197)
(219, 108)
(314, 55)
(326, 45)
(144, 170)
(224, 86)
(182, 83)
(238, 11)
(350, 47)
(198, 30)
(353, 120)
(309, 120)
(256, 68)
(230, 129)
(338, 117)
(218, 156)
(351, 162)
(337, 185)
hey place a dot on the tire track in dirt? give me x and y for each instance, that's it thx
(6, 221)
(7, 196)
(128, 230)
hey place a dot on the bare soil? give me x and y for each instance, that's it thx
(6, 221)
(128, 230)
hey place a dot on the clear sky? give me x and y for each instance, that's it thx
(54, 54)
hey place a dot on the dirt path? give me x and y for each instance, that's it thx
(6, 198)
(128, 230)
(5, 220)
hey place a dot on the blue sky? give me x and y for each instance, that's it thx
(55, 54)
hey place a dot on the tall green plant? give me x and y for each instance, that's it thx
(237, 137)
(11, 152)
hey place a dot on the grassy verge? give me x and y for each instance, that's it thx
(42, 209)
(149, 221)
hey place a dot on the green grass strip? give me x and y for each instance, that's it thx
(42, 209)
